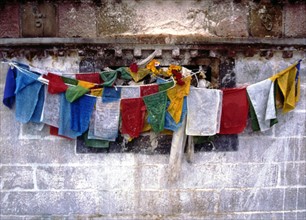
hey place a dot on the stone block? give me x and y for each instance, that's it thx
(301, 105)
(290, 124)
(69, 177)
(293, 174)
(9, 20)
(48, 203)
(39, 20)
(265, 20)
(301, 215)
(205, 201)
(118, 202)
(121, 177)
(233, 26)
(9, 127)
(16, 177)
(251, 200)
(295, 199)
(149, 177)
(295, 22)
(77, 20)
(157, 202)
(34, 151)
(11, 217)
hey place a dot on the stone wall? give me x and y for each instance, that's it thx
(43, 177)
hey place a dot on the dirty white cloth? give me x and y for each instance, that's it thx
(51, 109)
(262, 98)
(130, 92)
(106, 123)
(203, 111)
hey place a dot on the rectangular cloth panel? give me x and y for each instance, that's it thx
(261, 95)
(130, 92)
(204, 111)
(89, 77)
(234, 111)
(111, 94)
(148, 90)
(107, 120)
(51, 109)
(132, 113)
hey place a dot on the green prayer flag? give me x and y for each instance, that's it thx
(156, 107)
(125, 74)
(75, 92)
(165, 86)
(108, 77)
(70, 81)
(95, 142)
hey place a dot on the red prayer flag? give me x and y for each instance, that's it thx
(54, 132)
(148, 90)
(89, 77)
(56, 84)
(235, 108)
(132, 116)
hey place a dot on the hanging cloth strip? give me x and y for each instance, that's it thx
(141, 73)
(262, 99)
(75, 92)
(156, 107)
(29, 97)
(65, 119)
(9, 89)
(111, 94)
(132, 116)
(234, 111)
(204, 111)
(289, 83)
(107, 120)
(56, 84)
(94, 142)
(89, 77)
(51, 109)
(96, 92)
(176, 96)
(81, 111)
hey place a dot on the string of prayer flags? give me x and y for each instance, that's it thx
(234, 111)
(261, 96)
(56, 84)
(65, 119)
(111, 94)
(289, 83)
(204, 111)
(132, 116)
(107, 120)
(148, 90)
(156, 107)
(29, 97)
(81, 111)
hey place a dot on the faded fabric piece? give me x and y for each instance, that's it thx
(65, 119)
(124, 73)
(29, 98)
(10, 86)
(289, 84)
(51, 109)
(36, 117)
(170, 124)
(54, 132)
(132, 116)
(81, 111)
(254, 120)
(107, 120)
(108, 77)
(96, 92)
(111, 94)
(142, 73)
(89, 77)
(130, 92)
(75, 92)
(70, 81)
(165, 86)
(234, 111)
(156, 107)
(177, 152)
(56, 84)
(261, 95)
(204, 111)
(176, 96)
(148, 90)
